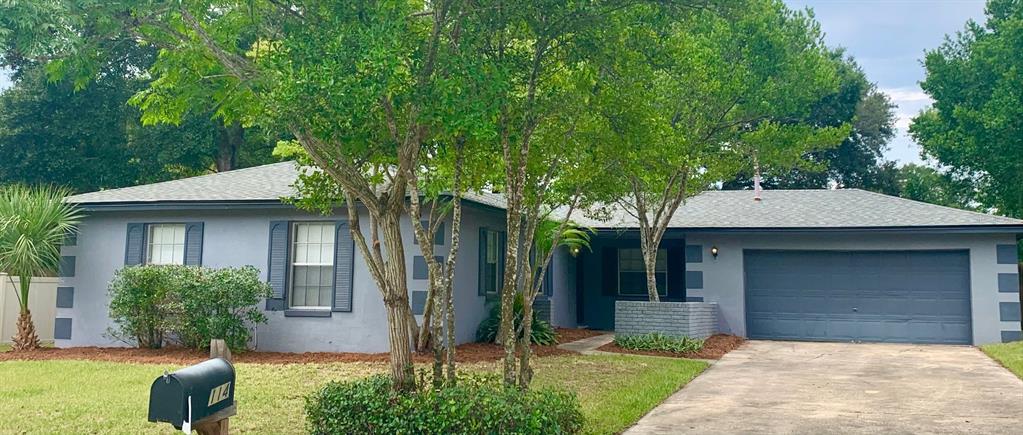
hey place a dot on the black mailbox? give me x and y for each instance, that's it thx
(193, 394)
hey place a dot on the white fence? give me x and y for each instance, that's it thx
(42, 302)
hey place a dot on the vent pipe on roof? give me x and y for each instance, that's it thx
(756, 179)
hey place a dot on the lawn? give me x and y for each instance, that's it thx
(106, 397)
(1009, 354)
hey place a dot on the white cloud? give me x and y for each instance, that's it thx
(912, 95)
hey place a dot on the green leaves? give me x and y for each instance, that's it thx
(974, 125)
(33, 224)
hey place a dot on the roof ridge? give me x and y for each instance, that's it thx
(1018, 221)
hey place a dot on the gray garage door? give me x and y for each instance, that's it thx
(894, 296)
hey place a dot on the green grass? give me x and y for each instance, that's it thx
(616, 390)
(104, 397)
(1009, 354)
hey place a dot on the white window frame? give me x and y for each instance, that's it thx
(293, 264)
(662, 258)
(152, 244)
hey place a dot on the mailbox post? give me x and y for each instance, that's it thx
(199, 397)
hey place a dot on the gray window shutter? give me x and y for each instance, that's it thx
(135, 243)
(483, 262)
(344, 258)
(193, 243)
(277, 266)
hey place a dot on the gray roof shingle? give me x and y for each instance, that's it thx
(843, 208)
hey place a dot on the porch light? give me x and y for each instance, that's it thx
(714, 251)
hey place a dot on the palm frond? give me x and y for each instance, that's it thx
(33, 225)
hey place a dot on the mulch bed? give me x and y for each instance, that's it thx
(467, 353)
(714, 347)
(568, 335)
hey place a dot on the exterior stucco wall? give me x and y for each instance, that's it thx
(724, 282)
(239, 237)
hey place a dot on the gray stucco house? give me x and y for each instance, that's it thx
(830, 265)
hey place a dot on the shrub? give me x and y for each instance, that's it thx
(543, 333)
(476, 405)
(221, 303)
(151, 305)
(660, 342)
(144, 304)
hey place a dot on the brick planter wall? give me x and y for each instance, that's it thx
(691, 319)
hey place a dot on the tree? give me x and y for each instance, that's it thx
(974, 126)
(926, 184)
(100, 143)
(858, 161)
(537, 94)
(694, 99)
(33, 224)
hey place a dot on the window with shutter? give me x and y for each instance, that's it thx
(312, 266)
(165, 244)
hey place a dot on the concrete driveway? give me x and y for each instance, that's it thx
(813, 388)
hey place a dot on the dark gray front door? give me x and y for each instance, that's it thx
(894, 296)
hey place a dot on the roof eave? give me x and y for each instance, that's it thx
(920, 229)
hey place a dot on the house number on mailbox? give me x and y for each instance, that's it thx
(219, 394)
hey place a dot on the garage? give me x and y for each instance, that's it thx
(870, 296)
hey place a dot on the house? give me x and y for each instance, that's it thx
(829, 265)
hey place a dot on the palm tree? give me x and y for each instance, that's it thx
(33, 224)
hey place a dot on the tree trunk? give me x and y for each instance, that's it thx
(525, 349)
(229, 141)
(436, 334)
(400, 320)
(650, 264)
(506, 333)
(26, 338)
(402, 369)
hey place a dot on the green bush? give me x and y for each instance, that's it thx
(660, 342)
(221, 303)
(543, 333)
(477, 405)
(144, 304)
(152, 305)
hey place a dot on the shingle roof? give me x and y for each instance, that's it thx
(843, 208)
(260, 183)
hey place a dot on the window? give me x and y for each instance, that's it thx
(312, 266)
(491, 261)
(165, 244)
(632, 273)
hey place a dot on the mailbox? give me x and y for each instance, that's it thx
(193, 394)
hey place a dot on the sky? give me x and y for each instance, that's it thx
(888, 39)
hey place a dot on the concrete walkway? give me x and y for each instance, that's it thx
(814, 388)
(588, 346)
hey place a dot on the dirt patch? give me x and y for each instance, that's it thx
(467, 353)
(714, 347)
(568, 335)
